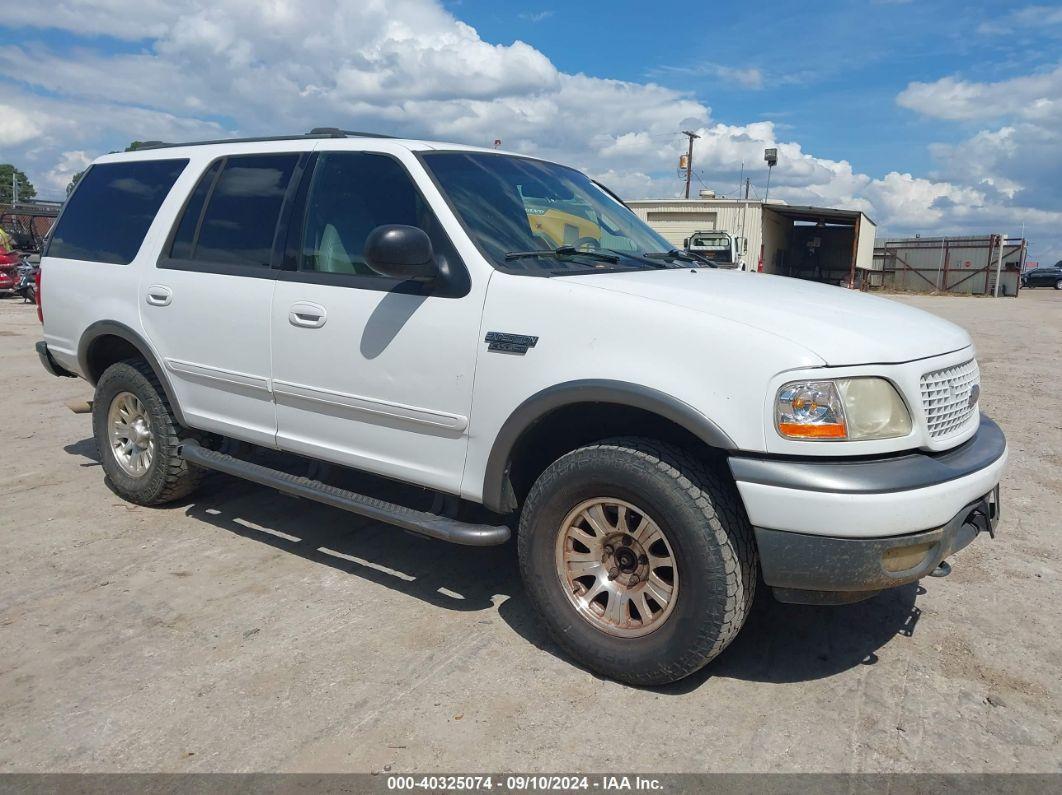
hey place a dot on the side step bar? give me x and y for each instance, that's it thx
(428, 524)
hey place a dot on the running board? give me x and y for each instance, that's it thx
(428, 524)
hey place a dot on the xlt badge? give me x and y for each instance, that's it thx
(509, 343)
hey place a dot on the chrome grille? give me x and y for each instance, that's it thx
(946, 397)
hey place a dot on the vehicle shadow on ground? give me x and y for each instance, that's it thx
(780, 643)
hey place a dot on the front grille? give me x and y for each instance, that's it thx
(946, 397)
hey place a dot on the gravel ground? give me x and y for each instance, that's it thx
(247, 631)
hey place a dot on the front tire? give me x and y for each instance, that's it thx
(137, 437)
(638, 558)
(1058, 284)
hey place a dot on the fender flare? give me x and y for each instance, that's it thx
(623, 393)
(112, 328)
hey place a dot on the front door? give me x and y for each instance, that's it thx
(369, 372)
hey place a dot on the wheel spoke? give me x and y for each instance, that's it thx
(643, 607)
(587, 540)
(595, 517)
(579, 568)
(659, 590)
(616, 609)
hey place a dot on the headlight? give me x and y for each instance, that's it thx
(850, 409)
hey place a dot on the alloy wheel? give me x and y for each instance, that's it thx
(131, 437)
(617, 567)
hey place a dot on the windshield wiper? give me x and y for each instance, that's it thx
(563, 251)
(672, 254)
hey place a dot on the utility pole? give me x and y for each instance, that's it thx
(689, 159)
(748, 180)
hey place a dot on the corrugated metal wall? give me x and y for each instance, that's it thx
(951, 264)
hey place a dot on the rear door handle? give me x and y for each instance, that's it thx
(307, 315)
(159, 295)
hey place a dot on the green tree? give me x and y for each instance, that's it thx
(26, 191)
(133, 146)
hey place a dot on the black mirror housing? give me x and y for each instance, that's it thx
(401, 252)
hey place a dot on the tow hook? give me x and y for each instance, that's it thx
(943, 569)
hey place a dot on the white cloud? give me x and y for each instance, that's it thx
(535, 16)
(1036, 97)
(16, 126)
(409, 67)
(69, 163)
(1040, 17)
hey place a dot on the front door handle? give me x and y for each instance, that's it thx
(307, 315)
(159, 295)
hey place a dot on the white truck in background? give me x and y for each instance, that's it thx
(722, 248)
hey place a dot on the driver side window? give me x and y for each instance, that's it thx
(352, 193)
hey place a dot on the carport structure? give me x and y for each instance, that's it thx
(819, 244)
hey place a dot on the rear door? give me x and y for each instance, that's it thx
(206, 305)
(367, 371)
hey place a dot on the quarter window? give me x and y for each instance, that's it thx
(110, 212)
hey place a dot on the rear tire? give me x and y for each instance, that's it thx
(1058, 284)
(703, 587)
(137, 437)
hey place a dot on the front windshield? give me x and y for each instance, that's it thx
(517, 206)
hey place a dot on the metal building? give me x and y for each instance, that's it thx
(817, 243)
(951, 264)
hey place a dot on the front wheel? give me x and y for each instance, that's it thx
(1058, 284)
(638, 558)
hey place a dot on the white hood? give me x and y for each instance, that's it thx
(842, 327)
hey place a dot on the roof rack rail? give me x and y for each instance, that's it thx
(316, 132)
(335, 132)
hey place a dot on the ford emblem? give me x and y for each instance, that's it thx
(975, 392)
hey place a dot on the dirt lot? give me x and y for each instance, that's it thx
(247, 631)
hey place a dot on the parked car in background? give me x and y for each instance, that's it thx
(1051, 276)
(658, 434)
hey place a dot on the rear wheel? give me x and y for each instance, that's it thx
(1058, 284)
(638, 558)
(137, 436)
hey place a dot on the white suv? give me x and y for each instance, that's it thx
(503, 333)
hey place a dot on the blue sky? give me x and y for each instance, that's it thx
(933, 117)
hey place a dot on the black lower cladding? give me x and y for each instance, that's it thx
(810, 569)
(49, 363)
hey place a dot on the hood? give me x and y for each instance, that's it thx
(843, 327)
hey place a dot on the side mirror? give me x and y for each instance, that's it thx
(686, 243)
(401, 252)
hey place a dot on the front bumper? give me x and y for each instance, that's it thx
(807, 569)
(835, 530)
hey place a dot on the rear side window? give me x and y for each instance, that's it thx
(109, 214)
(231, 216)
